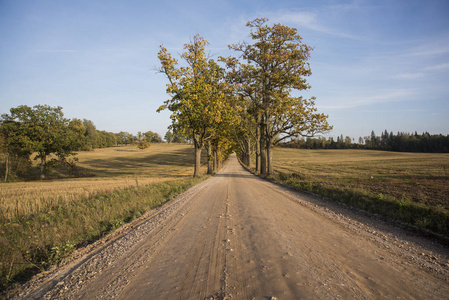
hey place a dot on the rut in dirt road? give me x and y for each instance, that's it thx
(237, 236)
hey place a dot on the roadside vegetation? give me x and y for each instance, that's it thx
(43, 222)
(409, 187)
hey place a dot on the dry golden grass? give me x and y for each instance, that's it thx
(113, 168)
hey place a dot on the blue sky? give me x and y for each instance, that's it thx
(376, 65)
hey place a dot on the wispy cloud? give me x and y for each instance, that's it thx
(427, 52)
(409, 75)
(55, 51)
(345, 101)
(309, 20)
(442, 66)
(426, 71)
(430, 47)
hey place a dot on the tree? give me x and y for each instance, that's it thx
(106, 139)
(152, 137)
(124, 138)
(197, 101)
(92, 139)
(77, 127)
(277, 64)
(168, 137)
(179, 138)
(14, 145)
(348, 141)
(42, 129)
(143, 141)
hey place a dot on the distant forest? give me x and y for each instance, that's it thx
(402, 142)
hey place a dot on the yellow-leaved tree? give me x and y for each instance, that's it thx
(198, 99)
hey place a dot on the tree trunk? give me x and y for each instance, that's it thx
(43, 166)
(248, 152)
(220, 160)
(210, 163)
(263, 161)
(270, 169)
(215, 160)
(198, 147)
(263, 151)
(258, 142)
(7, 167)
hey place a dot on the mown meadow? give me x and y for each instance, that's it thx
(409, 187)
(42, 222)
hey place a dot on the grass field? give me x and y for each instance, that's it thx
(411, 187)
(109, 169)
(42, 222)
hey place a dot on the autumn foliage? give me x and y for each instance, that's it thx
(249, 107)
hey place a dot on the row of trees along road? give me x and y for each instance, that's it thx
(250, 105)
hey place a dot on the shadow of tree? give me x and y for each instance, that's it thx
(133, 165)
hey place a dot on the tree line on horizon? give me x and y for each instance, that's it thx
(400, 142)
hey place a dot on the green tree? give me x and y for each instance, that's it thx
(92, 137)
(124, 138)
(106, 139)
(42, 129)
(179, 138)
(77, 127)
(152, 137)
(143, 142)
(15, 146)
(168, 136)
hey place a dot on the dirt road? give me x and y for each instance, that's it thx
(237, 236)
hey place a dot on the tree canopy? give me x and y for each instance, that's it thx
(42, 129)
(198, 99)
